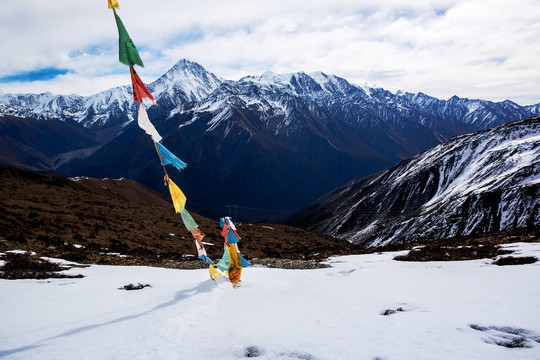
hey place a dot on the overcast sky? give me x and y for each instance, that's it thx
(485, 49)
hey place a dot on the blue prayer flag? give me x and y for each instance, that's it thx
(168, 157)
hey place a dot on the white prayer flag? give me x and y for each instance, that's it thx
(146, 125)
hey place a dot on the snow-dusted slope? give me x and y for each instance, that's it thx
(482, 114)
(487, 181)
(450, 310)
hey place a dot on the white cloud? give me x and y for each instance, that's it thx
(475, 48)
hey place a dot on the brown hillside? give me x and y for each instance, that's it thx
(92, 221)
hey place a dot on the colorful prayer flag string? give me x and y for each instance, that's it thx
(232, 261)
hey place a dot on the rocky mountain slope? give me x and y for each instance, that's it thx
(483, 182)
(267, 145)
(119, 221)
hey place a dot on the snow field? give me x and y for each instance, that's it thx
(331, 313)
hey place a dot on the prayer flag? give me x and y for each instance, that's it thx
(214, 274)
(199, 235)
(146, 125)
(168, 157)
(235, 267)
(243, 261)
(190, 224)
(202, 253)
(229, 230)
(113, 4)
(140, 90)
(225, 232)
(206, 259)
(225, 262)
(178, 197)
(232, 261)
(127, 52)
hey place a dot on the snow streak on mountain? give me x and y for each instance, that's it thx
(484, 182)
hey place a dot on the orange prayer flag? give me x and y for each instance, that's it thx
(198, 234)
(235, 268)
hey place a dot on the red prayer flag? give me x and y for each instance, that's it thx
(139, 89)
(225, 232)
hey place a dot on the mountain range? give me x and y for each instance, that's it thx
(264, 145)
(484, 182)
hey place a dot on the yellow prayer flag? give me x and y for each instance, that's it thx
(178, 197)
(214, 273)
(235, 268)
(114, 4)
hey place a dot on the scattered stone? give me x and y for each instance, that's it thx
(290, 263)
(134, 287)
(510, 260)
(446, 252)
(253, 351)
(26, 266)
(391, 311)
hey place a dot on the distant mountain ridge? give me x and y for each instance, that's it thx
(478, 183)
(184, 82)
(188, 82)
(267, 145)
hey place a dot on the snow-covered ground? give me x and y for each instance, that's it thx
(451, 310)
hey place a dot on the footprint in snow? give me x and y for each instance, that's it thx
(508, 336)
(294, 355)
(341, 273)
(255, 351)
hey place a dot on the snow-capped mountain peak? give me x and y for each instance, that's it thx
(185, 79)
(325, 81)
(271, 80)
(315, 129)
(188, 82)
(312, 85)
(185, 82)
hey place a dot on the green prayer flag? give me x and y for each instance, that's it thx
(127, 53)
(190, 224)
(225, 261)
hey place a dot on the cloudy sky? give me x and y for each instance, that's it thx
(486, 49)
